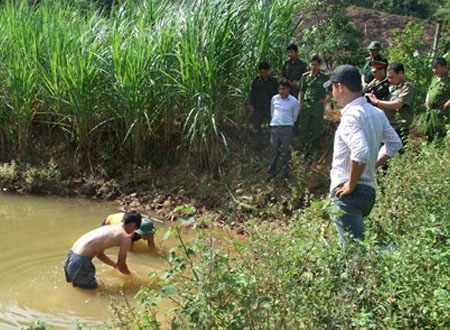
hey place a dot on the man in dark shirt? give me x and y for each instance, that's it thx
(264, 86)
(293, 69)
(380, 84)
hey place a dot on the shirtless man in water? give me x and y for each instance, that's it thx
(145, 232)
(78, 266)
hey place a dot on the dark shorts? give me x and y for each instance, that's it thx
(80, 271)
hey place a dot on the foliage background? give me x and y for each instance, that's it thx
(113, 86)
(151, 82)
(292, 273)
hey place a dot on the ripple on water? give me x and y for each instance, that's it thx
(36, 234)
(13, 317)
(31, 269)
(39, 290)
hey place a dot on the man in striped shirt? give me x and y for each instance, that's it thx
(356, 152)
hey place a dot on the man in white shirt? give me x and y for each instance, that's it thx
(356, 152)
(284, 113)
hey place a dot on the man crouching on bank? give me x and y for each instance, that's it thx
(78, 265)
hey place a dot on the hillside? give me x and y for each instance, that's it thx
(378, 26)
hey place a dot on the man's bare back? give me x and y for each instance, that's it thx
(78, 266)
(100, 239)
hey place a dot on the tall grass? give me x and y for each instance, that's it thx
(71, 81)
(206, 58)
(20, 50)
(132, 90)
(151, 76)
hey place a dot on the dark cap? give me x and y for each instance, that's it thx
(375, 45)
(347, 75)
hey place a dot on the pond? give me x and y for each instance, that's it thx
(36, 233)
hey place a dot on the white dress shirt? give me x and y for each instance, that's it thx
(361, 132)
(284, 112)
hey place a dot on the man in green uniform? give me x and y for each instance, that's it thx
(374, 55)
(293, 69)
(380, 84)
(437, 100)
(263, 87)
(311, 99)
(399, 105)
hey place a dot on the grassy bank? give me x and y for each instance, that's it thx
(292, 273)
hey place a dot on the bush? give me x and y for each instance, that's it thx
(293, 273)
(8, 173)
(29, 179)
(38, 180)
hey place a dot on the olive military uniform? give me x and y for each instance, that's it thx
(401, 119)
(311, 114)
(438, 94)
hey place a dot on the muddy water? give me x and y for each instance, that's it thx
(35, 235)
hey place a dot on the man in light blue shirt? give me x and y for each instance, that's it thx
(356, 152)
(284, 113)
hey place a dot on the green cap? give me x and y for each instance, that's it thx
(147, 227)
(374, 65)
(374, 45)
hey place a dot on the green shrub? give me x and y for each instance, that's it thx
(39, 325)
(8, 173)
(410, 51)
(292, 273)
(37, 179)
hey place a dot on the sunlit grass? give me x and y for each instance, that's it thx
(150, 75)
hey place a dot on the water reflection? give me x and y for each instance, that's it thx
(35, 235)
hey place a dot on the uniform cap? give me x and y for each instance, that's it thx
(375, 45)
(375, 65)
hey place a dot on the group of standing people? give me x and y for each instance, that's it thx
(381, 117)
(377, 108)
(387, 88)
(293, 104)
